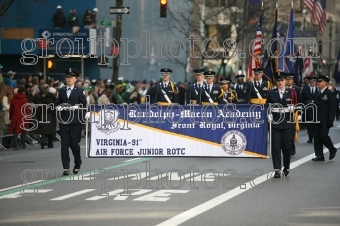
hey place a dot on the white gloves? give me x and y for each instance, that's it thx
(87, 115)
(270, 117)
(299, 117)
(59, 108)
(291, 108)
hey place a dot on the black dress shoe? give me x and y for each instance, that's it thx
(277, 174)
(285, 171)
(76, 169)
(332, 154)
(66, 173)
(23, 146)
(318, 158)
(309, 141)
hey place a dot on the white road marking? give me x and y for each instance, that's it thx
(158, 196)
(28, 192)
(21, 185)
(72, 194)
(131, 160)
(139, 192)
(195, 211)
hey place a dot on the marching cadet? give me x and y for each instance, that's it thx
(70, 126)
(326, 108)
(308, 95)
(165, 92)
(240, 88)
(295, 99)
(257, 90)
(282, 130)
(229, 95)
(195, 89)
(211, 92)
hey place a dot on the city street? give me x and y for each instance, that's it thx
(180, 191)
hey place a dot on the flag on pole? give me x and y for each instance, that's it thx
(318, 10)
(336, 74)
(270, 63)
(286, 58)
(254, 61)
(308, 66)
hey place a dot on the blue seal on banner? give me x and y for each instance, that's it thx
(233, 142)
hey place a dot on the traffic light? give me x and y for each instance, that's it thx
(163, 5)
(49, 64)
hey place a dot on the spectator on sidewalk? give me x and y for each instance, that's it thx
(9, 80)
(5, 97)
(18, 120)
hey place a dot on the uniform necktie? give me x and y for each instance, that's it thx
(164, 86)
(68, 92)
(258, 85)
(281, 95)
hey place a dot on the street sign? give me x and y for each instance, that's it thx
(107, 23)
(119, 10)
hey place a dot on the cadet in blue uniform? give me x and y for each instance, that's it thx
(211, 92)
(326, 107)
(257, 90)
(241, 88)
(308, 95)
(164, 92)
(70, 126)
(229, 95)
(282, 131)
(195, 89)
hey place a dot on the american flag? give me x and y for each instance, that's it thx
(254, 61)
(307, 66)
(318, 11)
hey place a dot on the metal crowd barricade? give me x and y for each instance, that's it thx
(4, 128)
(4, 132)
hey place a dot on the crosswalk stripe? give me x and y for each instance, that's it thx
(72, 194)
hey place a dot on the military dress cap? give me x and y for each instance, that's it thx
(311, 78)
(225, 80)
(11, 73)
(280, 75)
(59, 7)
(290, 76)
(258, 70)
(324, 77)
(240, 76)
(209, 73)
(199, 71)
(70, 72)
(166, 71)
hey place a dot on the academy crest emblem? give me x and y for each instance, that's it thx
(108, 121)
(233, 142)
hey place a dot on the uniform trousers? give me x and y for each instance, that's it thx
(282, 139)
(70, 135)
(321, 138)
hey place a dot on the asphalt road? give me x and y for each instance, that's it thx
(179, 191)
